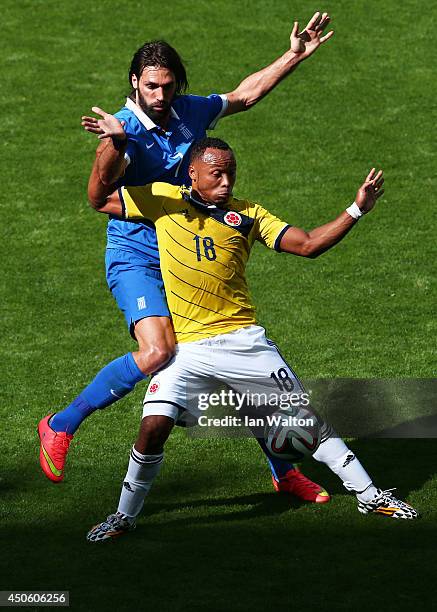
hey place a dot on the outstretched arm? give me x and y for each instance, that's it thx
(321, 239)
(109, 164)
(302, 45)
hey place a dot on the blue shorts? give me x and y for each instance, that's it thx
(137, 288)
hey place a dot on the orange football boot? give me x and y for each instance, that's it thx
(296, 483)
(53, 449)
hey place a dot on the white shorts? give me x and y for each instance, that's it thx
(244, 361)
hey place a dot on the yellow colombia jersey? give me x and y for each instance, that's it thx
(203, 253)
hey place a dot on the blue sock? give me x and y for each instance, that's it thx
(279, 467)
(113, 382)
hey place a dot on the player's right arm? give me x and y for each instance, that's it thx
(110, 163)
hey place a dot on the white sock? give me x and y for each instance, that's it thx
(141, 472)
(368, 494)
(342, 461)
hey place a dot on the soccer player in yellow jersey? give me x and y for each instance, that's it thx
(204, 238)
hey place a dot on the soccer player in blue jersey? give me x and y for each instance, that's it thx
(158, 126)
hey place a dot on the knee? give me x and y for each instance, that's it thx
(161, 354)
(154, 432)
(154, 357)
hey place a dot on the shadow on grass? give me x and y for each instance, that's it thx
(259, 505)
(225, 562)
(208, 539)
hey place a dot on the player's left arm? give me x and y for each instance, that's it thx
(317, 241)
(302, 45)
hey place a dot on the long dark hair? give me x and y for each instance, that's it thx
(159, 54)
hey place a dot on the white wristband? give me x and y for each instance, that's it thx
(354, 211)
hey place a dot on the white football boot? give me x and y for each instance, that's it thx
(386, 503)
(114, 526)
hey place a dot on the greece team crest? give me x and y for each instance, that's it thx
(232, 218)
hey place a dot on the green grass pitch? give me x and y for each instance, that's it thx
(213, 535)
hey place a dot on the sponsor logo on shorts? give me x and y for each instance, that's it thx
(233, 219)
(153, 387)
(141, 302)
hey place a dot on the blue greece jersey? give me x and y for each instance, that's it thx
(132, 258)
(154, 155)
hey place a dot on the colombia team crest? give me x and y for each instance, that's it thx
(153, 387)
(232, 218)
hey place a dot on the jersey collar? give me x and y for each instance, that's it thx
(200, 202)
(197, 202)
(237, 221)
(143, 118)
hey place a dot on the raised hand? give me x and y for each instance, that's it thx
(370, 191)
(107, 127)
(309, 40)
